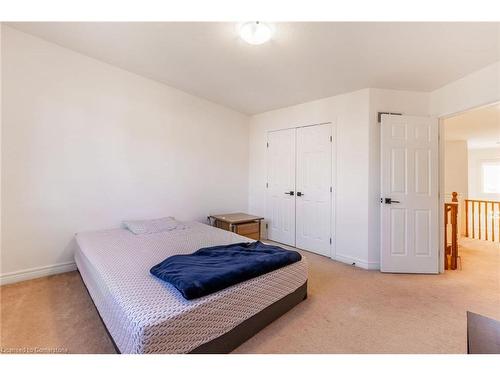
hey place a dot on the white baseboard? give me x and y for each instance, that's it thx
(340, 258)
(357, 262)
(34, 273)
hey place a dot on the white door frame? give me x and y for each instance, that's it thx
(441, 171)
(441, 193)
(333, 220)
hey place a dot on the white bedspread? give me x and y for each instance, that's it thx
(146, 315)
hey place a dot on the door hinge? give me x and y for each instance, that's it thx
(330, 240)
(331, 189)
(331, 139)
(267, 185)
(267, 144)
(266, 225)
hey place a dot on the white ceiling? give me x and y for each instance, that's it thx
(303, 61)
(479, 127)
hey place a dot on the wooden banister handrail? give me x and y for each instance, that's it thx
(480, 200)
(485, 219)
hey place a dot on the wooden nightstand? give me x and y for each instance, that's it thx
(240, 223)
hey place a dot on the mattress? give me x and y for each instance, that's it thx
(146, 315)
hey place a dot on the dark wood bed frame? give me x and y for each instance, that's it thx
(243, 331)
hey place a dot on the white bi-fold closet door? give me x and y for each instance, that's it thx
(299, 187)
(280, 200)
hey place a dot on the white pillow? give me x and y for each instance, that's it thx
(153, 225)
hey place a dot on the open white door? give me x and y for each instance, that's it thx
(409, 190)
(281, 186)
(314, 181)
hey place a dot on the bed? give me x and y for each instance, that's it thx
(143, 314)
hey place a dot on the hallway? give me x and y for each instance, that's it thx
(479, 259)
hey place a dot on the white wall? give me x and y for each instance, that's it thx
(86, 145)
(456, 176)
(350, 114)
(476, 89)
(455, 167)
(476, 157)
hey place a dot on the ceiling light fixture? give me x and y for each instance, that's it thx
(255, 32)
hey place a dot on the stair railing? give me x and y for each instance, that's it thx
(482, 219)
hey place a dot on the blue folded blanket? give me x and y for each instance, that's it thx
(211, 269)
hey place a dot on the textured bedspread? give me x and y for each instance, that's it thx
(146, 315)
(211, 269)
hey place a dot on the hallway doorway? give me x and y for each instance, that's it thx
(470, 185)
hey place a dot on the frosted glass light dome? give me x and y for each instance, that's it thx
(255, 32)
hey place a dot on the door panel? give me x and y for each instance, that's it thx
(281, 180)
(422, 232)
(409, 176)
(398, 170)
(422, 171)
(314, 179)
(398, 232)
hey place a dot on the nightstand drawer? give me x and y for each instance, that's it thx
(254, 236)
(240, 223)
(247, 228)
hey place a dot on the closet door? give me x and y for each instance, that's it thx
(314, 179)
(281, 186)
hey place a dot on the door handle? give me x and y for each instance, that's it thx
(299, 194)
(389, 201)
(289, 193)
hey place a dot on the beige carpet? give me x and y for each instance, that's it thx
(349, 310)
